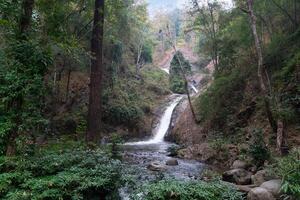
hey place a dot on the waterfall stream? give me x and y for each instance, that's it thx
(163, 127)
(141, 154)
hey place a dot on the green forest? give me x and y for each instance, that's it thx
(150, 100)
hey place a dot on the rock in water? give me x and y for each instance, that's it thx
(259, 193)
(273, 186)
(172, 162)
(238, 176)
(155, 166)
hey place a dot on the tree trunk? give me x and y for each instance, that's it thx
(281, 138)
(68, 84)
(295, 11)
(16, 105)
(26, 16)
(138, 65)
(184, 78)
(94, 110)
(260, 67)
(214, 38)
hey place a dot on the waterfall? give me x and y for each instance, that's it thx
(194, 88)
(163, 127)
(166, 70)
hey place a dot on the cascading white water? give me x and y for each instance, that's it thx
(166, 70)
(163, 126)
(194, 88)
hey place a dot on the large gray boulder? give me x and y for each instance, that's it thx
(238, 176)
(273, 186)
(259, 193)
(155, 166)
(172, 162)
(260, 177)
(238, 164)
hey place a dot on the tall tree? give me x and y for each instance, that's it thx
(16, 103)
(94, 110)
(261, 72)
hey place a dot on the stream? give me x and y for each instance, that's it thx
(141, 154)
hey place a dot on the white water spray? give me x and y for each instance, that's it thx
(194, 88)
(163, 127)
(166, 70)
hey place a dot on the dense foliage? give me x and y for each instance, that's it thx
(178, 69)
(177, 190)
(235, 96)
(289, 170)
(71, 174)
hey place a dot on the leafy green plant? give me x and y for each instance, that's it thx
(177, 82)
(222, 99)
(289, 169)
(116, 140)
(173, 150)
(176, 190)
(258, 149)
(70, 174)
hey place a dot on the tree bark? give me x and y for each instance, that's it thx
(138, 65)
(26, 16)
(260, 67)
(93, 133)
(16, 103)
(281, 138)
(68, 84)
(184, 78)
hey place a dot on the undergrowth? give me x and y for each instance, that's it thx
(177, 190)
(69, 174)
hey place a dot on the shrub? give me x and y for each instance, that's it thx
(73, 174)
(173, 150)
(258, 149)
(289, 169)
(177, 83)
(176, 190)
(221, 99)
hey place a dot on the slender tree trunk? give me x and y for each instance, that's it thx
(16, 106)
(184, 77)
(68, 84)
(281, 138)
(295, 11)
(260, 67)
(26, 16)
(140, 49)
(214, 38)
(94, 110)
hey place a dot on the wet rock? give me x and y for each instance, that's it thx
(155, 166)
(272, 186)
(260, 177)
(238, 176)
(172, 162)
(259, 193)
(238, 164)
(245, 188)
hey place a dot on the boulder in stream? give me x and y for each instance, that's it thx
(238, 176)
(155, 166)
(259, 193)
(172, 162)
(273, 186)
